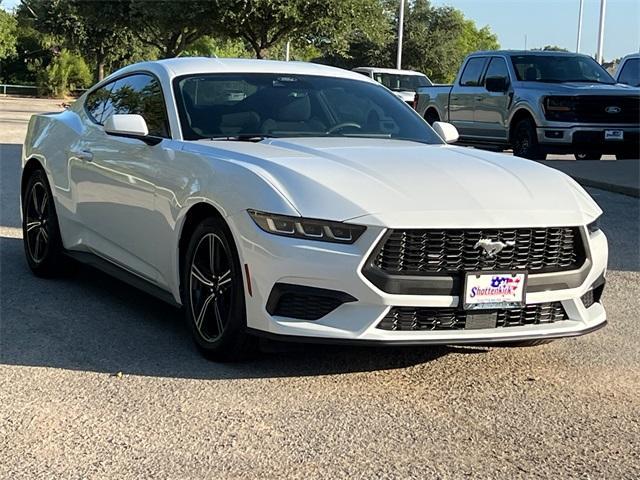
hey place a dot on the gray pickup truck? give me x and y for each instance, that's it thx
(537, 103)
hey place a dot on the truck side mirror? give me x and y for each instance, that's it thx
(496, 84)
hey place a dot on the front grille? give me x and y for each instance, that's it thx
(593, 109)
(427, 318)
(536, 250)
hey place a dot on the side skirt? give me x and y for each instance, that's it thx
(123, 275)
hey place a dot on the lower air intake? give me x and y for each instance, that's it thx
(303, 302)
(427, 318)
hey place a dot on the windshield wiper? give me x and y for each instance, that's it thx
(242, 137)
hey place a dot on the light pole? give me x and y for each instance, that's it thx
(400, 32)
(603, 9)
(579, 26)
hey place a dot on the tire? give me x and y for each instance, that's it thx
(431, 116)
(525, 141)
(587, 156)
(628, 156)
(213, 294)
(40, 229)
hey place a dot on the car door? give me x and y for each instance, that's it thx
(462, 100)
(114, 177)
(490, 115)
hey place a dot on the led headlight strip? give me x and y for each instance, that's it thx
(311, 229)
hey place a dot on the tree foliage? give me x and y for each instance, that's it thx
(8, 34)
(172, 26)
(327, 24)
(67, 72)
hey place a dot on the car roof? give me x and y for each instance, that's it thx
(526, 52)
(388, 70)
(176, 67)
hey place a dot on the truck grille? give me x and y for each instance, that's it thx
(424, 252)
(593, 109)
(427, 318)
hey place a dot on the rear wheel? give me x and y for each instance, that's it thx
(40, 230)
(525, 141)
(213, 294)
(587, 156)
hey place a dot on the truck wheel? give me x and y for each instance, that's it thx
(431, 116)
(525, 141)
(628, 156)
(587, 156)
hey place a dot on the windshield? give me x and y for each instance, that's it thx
(278, 105)
(401, 83)
(559, 68)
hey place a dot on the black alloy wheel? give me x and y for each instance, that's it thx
(213, 294)
(525, 141)
(40, 231)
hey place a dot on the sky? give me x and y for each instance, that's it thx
(547, 22)
(555, 22)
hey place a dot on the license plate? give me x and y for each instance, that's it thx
(494, 290)
(614, 135)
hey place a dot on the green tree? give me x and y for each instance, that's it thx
(216, 47)
(99, 30)
(551, 48)
(67, 72)
(326, 24)
(172, 26)
(438, 38)
(8, 35)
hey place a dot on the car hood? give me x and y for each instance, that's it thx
(407, 184)
(583, 88)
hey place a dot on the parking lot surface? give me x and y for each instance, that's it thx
(98, 380)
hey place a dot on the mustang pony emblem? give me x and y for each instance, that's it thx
(491, 248)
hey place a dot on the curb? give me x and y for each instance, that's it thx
(610, 187)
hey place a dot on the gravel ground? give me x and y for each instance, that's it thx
(570, 409)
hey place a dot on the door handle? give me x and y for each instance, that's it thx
(479, 99)
(84, 155)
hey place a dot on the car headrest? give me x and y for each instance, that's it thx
(291, 106)
(531, 74)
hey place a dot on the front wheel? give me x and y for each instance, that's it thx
(40, 231)
(525, 141)
(213, 294)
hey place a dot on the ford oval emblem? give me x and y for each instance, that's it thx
(613, 109)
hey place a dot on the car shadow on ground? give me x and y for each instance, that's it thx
(91, 322)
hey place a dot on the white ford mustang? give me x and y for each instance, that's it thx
(299, 201)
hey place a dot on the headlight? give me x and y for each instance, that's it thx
(559, 104)
(594, 226)
(311, 229)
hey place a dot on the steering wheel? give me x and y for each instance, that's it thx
(344, 125)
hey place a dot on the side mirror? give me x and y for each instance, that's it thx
(130, 126)
(446, 131)
(496, 84)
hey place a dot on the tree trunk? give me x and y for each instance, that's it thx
(100, 65)
(262, 52)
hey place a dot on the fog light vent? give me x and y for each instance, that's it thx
(588, 299)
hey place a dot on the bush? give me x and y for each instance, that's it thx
(67, 72)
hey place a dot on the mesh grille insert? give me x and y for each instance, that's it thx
(427, 318)
(537, 250)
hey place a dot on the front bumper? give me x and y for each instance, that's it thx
(558, 137)
(275, 260)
